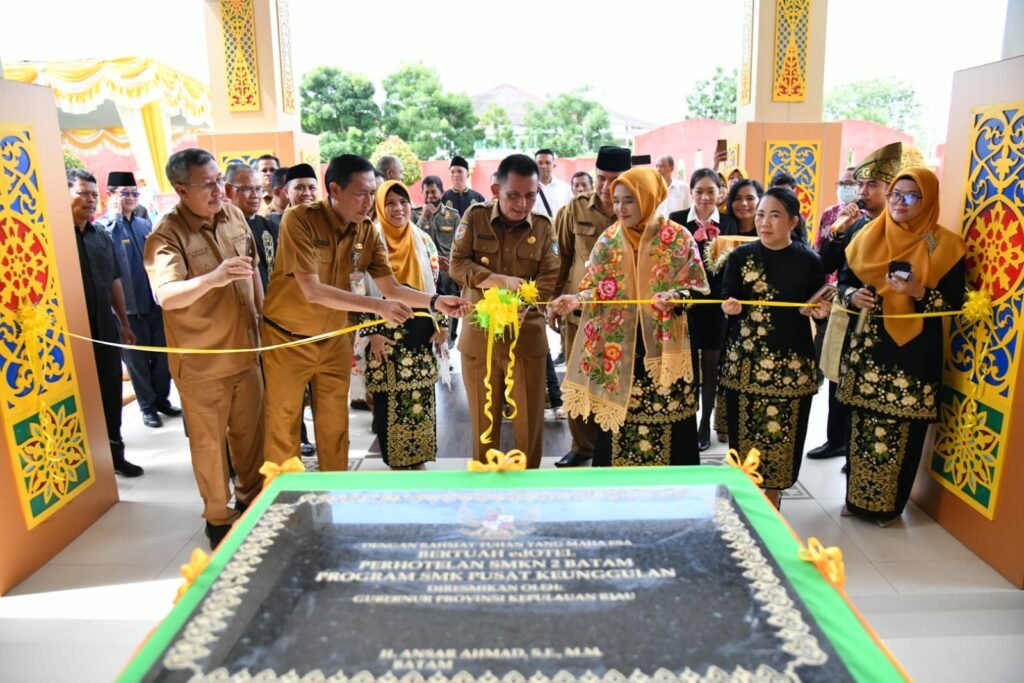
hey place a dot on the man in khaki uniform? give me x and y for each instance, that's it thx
(201, 263)
(324, 251)
(578, 225)
(503, 244)
(439, 221)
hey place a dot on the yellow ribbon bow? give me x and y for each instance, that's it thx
(191, 571)
(271, 470)
(529, 293)
(977, 306)
(499, 461)
(750, 465)
(829, 561)
(498, 310)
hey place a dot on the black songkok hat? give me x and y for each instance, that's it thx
(614, 159)
(300, 171)
(459, 161)
(121, 179)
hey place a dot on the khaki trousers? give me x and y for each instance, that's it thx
(227, 409)
(584, 432)
(327, 366)
(528, 392)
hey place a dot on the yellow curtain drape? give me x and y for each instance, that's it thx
(158, 138)
(81, 86)
(91, 141)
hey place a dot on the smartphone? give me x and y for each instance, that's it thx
(901, 269)
(826, 293)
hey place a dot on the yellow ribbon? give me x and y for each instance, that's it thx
(191, 571)
(529, 293)
(271, 470)
(498, 461)
(829, 561)
(750, 465)
(498, 310)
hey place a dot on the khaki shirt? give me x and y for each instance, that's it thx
(184, 246)
(441, 227)
(313, 240)
(579, 224)
(485, 245)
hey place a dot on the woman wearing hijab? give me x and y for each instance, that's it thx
(891, 374)
(631, 368)
(769, 371)
(402, 362)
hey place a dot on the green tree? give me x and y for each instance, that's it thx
(339, 106)
(435, 123)
(71, 161)
(569, 124)
(714, 97)
(397, 147)
(497, 127)
(888, 101)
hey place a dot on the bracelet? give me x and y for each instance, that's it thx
(433, 300)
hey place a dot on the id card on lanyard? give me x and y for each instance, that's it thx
(356, 280)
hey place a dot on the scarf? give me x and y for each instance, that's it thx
(399, 240)
(931, 249)
(599, 377)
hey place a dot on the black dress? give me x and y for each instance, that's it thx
(768, 367)
(893, 393)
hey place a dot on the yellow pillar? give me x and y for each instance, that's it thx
(255, 103)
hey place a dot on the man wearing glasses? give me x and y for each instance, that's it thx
(150, 376)
(244, 191)
(870, 181)
(101, 285)
(203, 267)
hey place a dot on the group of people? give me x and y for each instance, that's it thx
(254, 257)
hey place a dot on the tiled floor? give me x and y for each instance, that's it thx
(945, 613)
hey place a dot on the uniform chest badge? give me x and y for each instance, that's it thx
(531, 240)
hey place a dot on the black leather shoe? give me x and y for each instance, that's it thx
(169, 410)
(127, 469)
(560, 360)
(573, 459)
(826, 450)
(846, 469)
(703, 444)
(216, 533)
(307, 449)
(359, 405)
(241, 507)
(151, 419)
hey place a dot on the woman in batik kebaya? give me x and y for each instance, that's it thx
(631, 369)
(891, 372)
(768, 368)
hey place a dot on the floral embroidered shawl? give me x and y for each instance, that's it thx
(599, 377)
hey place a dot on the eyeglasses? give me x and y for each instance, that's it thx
(907, 199)
(846, 183)
(129, 194)
(246, 189)
(210, 186)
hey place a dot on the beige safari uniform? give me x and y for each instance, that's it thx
(579, 224)
(484, 245)
(221, 394)
(313, 240)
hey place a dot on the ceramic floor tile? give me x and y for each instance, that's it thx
(135, 533)
(59, 577)
(863, 579)
(952, 614)
(809, 519)
(957, 659)
(936, 577)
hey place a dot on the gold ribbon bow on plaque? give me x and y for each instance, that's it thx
(829, 561)
(750, 465)
(499, 461)
(271, 470)
(191, 571)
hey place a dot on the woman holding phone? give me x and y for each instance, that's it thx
(903, 262)
(768, 369)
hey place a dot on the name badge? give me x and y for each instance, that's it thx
(356, 283)
(323, 243)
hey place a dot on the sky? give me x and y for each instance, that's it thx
(639, 58)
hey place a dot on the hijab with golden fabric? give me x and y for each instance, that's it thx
(399, 239)
(931, 249)
(666, 360)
